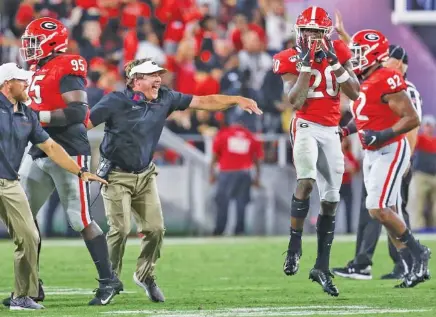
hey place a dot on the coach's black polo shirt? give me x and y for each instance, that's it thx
(16, 130)
(134, 125)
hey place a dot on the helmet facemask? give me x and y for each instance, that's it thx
(314, 33)
(31, 47)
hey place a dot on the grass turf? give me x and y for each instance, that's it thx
(239, 277)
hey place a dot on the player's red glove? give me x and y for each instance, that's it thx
(307, 50)
(329, 50)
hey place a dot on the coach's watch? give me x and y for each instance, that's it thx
(82, 170)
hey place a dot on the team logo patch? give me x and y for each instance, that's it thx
(304, 125)
(49, 25)
(372, 37)
(293, 59)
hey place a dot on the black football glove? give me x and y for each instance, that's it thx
(307, 50)
(376, 138)
(329, 50)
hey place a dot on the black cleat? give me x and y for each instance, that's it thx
(323, 278)
(419, 272)
(354, 271)
(40, 298)
(292, 262)
(107, 290)
(151, 289)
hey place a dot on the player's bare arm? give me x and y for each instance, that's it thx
(344, 73)
(401, 104)
(61, 157)
(75, 112)
(298, 86)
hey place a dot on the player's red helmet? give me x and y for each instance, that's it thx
(314, 19)
(368, 47)
(41, 38)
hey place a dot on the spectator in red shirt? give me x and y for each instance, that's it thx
(242, 26)
(346, 191)
(237, 151)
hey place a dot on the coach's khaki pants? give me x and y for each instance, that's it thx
(16, 215)
(422, 188)
(138, 194)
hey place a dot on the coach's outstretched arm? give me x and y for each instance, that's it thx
(345, 75)
(223, 102)
(61, 158)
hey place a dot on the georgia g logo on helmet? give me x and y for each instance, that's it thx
(49, 25)
(372, 37)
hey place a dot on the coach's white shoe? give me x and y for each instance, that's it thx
(150, 287)
(24, 303)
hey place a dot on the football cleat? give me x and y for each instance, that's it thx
(107, 290)
(324, 278)
(292, 262)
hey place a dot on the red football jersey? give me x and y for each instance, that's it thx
(44, 90)
(236, 148)
(369, 111)
(322, 103)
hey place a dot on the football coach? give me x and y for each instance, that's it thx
(134, 120)
(19, 125)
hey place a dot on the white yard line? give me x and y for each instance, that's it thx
(224, 240)
(270, 311)
(59, 290)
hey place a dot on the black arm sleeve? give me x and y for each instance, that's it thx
(71, 82)
(75, 112)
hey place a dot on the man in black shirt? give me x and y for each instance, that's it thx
(134, 120)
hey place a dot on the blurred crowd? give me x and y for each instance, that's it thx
(208, 46)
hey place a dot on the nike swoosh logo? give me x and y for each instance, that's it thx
(373, 139)
(105, 301)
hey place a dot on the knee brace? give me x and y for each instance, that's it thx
(300, 207)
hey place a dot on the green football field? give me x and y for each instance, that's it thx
(228, 277)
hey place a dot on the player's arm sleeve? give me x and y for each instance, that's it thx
(37, 135)
(179, 101)
(103, 110)
(73, 92)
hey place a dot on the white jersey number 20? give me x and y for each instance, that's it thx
(332, 89)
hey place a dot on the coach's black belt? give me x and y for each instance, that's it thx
(119, 169)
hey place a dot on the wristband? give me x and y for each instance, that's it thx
(305, 69)
(343, 78)
(82, 170)
(336, 66)
(44, 116)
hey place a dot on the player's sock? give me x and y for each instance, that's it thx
(100, 255)
(325, 229)
(295, 240)
(299, 210)
(409, 240)
(39, 243)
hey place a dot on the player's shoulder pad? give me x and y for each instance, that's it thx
(342, 50)
(390, 80)
(69, 64)
(286, 62)
(385, 72)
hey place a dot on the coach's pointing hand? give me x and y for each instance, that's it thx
(249, 105)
